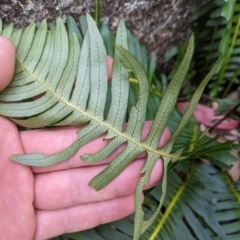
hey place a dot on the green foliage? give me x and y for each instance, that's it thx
(226, 104)
(217, 27)
(187, 209)
(73, 28)
(201, 204)
(227, 204)
(197, 145)
(72, 90)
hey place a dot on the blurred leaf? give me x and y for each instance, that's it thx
(83, 24)
(225, 104)
(72, 27)
(195, 145)
(152, 67)
(108, 39)
(171, 53)
(227, 9)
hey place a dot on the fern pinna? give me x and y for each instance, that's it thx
(58, 83)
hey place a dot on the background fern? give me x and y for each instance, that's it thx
(201, 204)
(217, 26)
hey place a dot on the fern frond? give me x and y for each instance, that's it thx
(227, 204)
(188, 202)
(66, 85)
(194, 208)
(196, 144)
(218, 30)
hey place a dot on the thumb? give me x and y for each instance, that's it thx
(7, 62)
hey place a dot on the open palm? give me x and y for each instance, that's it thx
(40, 203)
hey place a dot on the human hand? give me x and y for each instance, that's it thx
(40, 203)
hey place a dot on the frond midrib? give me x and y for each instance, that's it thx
(122, 134)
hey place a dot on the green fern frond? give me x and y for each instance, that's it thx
(227, 205)
(218, 34)
(68, 86)
(194, 208)
(216, 26)
(188, 202)
(196, 144)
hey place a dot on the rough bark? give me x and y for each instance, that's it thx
(157, 23)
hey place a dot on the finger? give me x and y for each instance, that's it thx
(82, 217)
(7, 62)
(50, 141)
(49, 191)
(110, 62)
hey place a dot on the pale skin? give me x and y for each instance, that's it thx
(40, 203)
